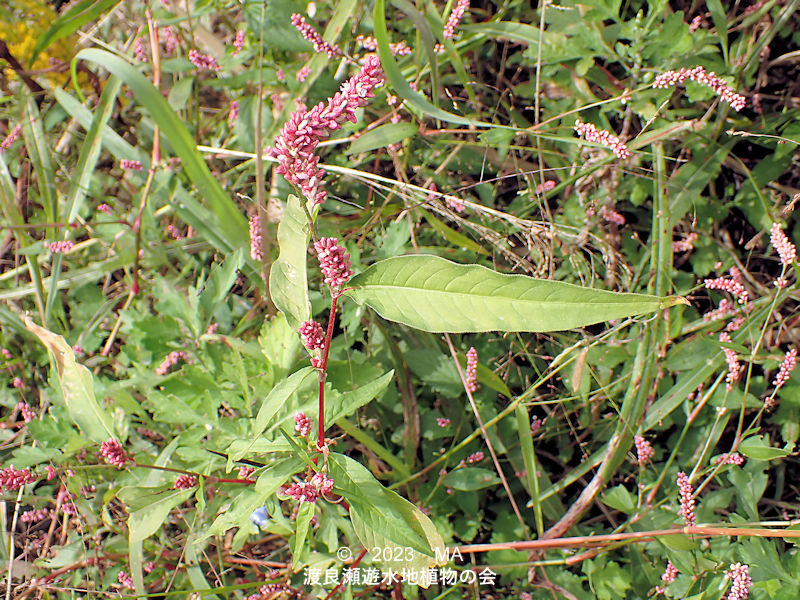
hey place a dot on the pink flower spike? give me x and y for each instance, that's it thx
(739, 575)
(130, 165)
(149, 566)
(786, 249)
(590, 133)
(787, 366)
(443, 421)
(255, 238)
(686, 244)
(302, 492)
(334, 262)
(644, 451)
(18, 383)
(26, 411)
(12, 479)
(699, 75)
(233, 113)
(60, 247)
(203, 61)
(12, 137)
(184, 482)
(113, 453)
(104, 208)
(728, 285)
(475, 457)
(238, 42)
(34, 516)
(730, 459)
(735, 368)
(245, 472)
(669, 575)
(322, 482)
(472, 370)
(455, 18)
(303, 74)
(312, 335)
(170, 39)
(302, 424)
(125, 580)
(139, 51)
(687, 500)
(310, 34)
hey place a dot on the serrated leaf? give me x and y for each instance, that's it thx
(288, 283)
(437, 295)
(382, 136)
(77, 386)
(383, 519)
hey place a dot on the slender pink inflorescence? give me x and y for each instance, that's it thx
(312, 335)
(733, 458)
(686, 244)
(13, 479)
(203, 61)
(113, 453)
(669, 575)
(787, 366)
(323, 483)
(370, 43)
(233, 113)
(739, 575)
(238, 42)
(60, 247)
(18, 383)
(443, 421)
(298, 140)
(644, 451)
(149, 566)
(687, 499)
(26, 411)
(612, 216)
(34, 516)
(170, 39)
(130, 165)
(590, 133)
(455, 18)
(735, 368)
(475, 457)
(725, 308)
(245, 472)
(310, 34)
(139, 51)
(104, 208)
(12, 137)
(695, 24)
(256, 252)
(125, 580)
(732, 286)
(171, 360)
(699, 75)
(334, 262)
(309, 491)
(472, 370)
(184, 482)
(303, 73)
(786, 249)
(302, 424)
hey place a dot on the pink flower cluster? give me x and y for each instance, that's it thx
(113, 453)
(545, 187)
(125, 580)
(298, 140)
(255, 238)
(334, 263)
(612, 216)
(787, 366)
(170, 39)
(733, 286)
(139, 51)
(34, 516)
(18, 383)
(455, 18)
(443, 421)
(172, 360)
(734, 458)
(735, 368)
(590, 133)
(312, 335)
(60, 247)
(302, 424)
(669, 575)
(475, 457)
(12, 137)
(739, 575)
(310, 34)
(786, 249)
(687, 499)
(303, 73)
(370, 43)
(644, 451)
(184, 482)
(699, 75)
(130, 165)
(695, 24)
(13, 479)
(309, 491)
(686, 244)
(270, 590)
(26, 411)
(238, 42)
(203, 61)
(472, 370)
(104, 208)
(245, 472)
(725, 308)
(233, 113)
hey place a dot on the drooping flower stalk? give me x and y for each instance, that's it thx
(701, 76)
(591, 133)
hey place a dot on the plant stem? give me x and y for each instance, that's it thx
(323, 372)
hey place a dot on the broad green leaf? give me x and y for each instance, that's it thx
(348, 402)
(280, 394)
(279, 343)
(758, 448)
(620, 499)
(382, 136)
(77, 386)
(150, 516)
(469, 479)
(303, 521)
(436, 295)
(288, 283)
(510, 30)
(383, 519)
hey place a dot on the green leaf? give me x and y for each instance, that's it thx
(216, 288)
(758, 448)
(303, 521)
(288, 282)
(469, 479)
(77, 386)
(620, 499)
(382, 136)
(382, 519)
(68, 23)
(436, 295)
(348, 402)
(153, 511)
(280, 394)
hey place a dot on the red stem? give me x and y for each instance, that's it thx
(352, 566)
(323, 372)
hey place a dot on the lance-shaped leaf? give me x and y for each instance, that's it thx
(437, 295)
(288, 284)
